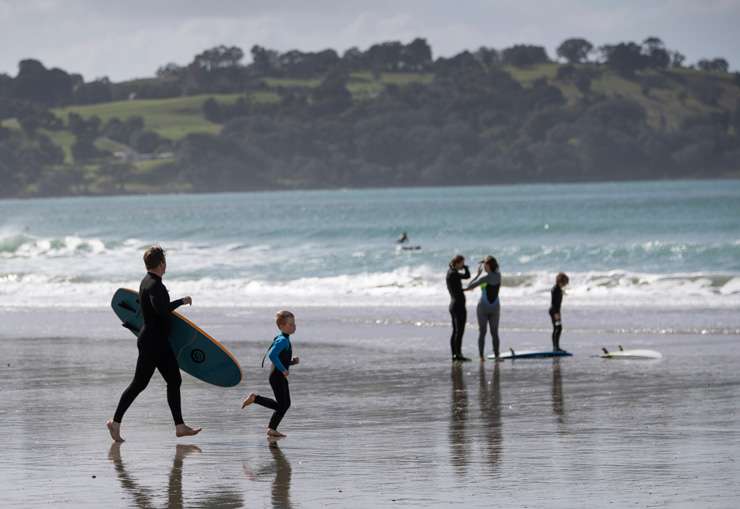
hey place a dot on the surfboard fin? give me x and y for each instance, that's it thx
(620, 348)
(606, 352)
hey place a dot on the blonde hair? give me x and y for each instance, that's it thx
(281, 317)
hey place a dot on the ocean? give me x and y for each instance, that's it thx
(623, 244)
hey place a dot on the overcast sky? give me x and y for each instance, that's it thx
(131, 38)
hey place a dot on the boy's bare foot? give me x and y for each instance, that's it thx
(183, 450)
(249, 400)
(115, 431)
(183, 430)
(274, 434)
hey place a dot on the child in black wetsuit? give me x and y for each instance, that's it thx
(561, 281)
(281, 356)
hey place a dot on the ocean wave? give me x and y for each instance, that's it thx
(406, 286)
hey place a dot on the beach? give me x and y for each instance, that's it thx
(380, 416)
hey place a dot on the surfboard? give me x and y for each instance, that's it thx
(630, 354)
(197, 353)
(531, 354)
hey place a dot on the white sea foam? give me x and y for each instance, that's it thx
(406, 286)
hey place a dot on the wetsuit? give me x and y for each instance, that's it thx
(281, 356)
(154, 347)
(557, 327)
(488, 309)
(457, 308)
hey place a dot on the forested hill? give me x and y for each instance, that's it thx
(390, 115)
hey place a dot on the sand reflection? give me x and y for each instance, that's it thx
(143, 495)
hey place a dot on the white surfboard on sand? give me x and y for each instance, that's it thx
(630, 354)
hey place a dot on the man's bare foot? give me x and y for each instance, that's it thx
(274, 434)
(183, 430)
(115, 431)
(249, 400)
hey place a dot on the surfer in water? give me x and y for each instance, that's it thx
(155, 351)
(403, 238)
(489, 308)
(281, 356)
(457, 304)
(556, 299)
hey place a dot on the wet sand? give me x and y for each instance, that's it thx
(380, 417)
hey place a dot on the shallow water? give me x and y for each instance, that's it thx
(380, 417)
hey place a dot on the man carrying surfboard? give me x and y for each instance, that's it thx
(155, 351)
(281, 356)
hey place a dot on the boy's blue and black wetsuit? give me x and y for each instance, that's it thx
(557, 327)
(488, 310)
(281, 356)
(457, 308)
(155, 351)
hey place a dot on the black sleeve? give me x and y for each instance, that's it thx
(176, 304)
(466, 273)
(160, 301)
(557, 299)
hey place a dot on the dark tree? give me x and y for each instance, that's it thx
(522, 55)
(624, 58)
(656, 54)
(575, 50)
(716, 65)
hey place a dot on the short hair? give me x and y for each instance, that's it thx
(562, 279)
(281, 317)
(154, 257)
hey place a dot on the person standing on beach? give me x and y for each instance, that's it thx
(154, 347)
(457, 304)
(556, 299)
(489, 308)
(281, 356)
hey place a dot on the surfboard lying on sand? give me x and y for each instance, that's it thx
(630, 354)
(197, 353)
(531, 354)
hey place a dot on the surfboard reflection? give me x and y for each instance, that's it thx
(143, 495)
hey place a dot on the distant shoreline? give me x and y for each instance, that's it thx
(368, 188)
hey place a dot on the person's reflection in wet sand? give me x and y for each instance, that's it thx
(458, 416)
(558, 406)
(142, 496)
(283, 473)
(490, 407)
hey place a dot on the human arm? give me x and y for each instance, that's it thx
(295, 361)
(466, 273)
(278, 346)
(160, 301)
(475, 283)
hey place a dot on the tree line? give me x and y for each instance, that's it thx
(473, 121)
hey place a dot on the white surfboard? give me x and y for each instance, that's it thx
(630, 354)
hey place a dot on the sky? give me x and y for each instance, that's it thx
(127, 39)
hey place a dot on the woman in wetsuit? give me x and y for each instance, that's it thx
(489, 308)
(556, 294)
(457, 304)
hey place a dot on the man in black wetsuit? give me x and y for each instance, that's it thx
(155, 351)
(457, 304)
(556, 294)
